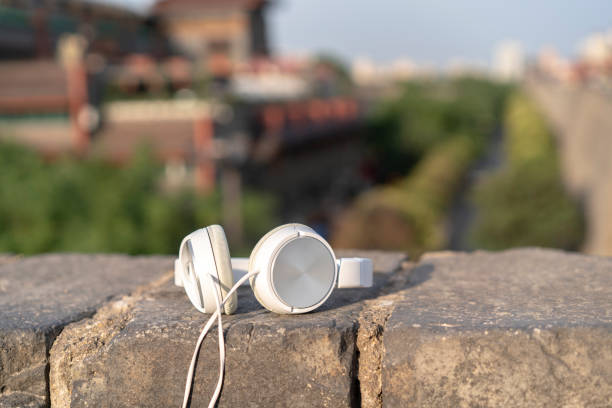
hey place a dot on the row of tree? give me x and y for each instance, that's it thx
(424, 142)
(86, 205)
(524, 203)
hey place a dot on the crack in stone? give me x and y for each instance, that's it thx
(370, 328)
(552, 359)
(250, 334)
(369, 353)
(33, 379)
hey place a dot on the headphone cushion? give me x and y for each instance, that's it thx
(223, 262)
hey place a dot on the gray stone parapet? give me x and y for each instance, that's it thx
(525, 327)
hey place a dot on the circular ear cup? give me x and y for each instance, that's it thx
(258, 245)
(303, 272)
(296, 267)
(223, 264)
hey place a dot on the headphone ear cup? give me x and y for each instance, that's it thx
(257, 247)
(223, 264)
(254, 252)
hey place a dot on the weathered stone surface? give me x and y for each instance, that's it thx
(21, 400)
(41, 295)
(6, 258)
(528, 328)
(136, 351)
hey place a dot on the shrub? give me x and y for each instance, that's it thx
(525, 203)
(526, 133)
(409, 214)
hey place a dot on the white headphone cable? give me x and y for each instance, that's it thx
(217, 315)
(221, 342)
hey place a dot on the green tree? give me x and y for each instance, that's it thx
(91, 206)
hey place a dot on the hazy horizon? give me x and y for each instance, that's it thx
(432, 31)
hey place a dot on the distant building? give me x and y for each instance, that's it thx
(32, 29)
(509, 61)
(220, 33)
(364, 71)
(403, 69)
(593, 65)
(554, 65)
(596, 49)
(76, 75)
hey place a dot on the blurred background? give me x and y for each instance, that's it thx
(404, 125)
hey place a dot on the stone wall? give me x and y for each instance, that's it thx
(582, 121)
(524, 328)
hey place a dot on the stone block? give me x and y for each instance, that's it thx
(40, 295)
(136, 351)
(521, 328)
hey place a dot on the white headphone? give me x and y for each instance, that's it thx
(294, 270)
